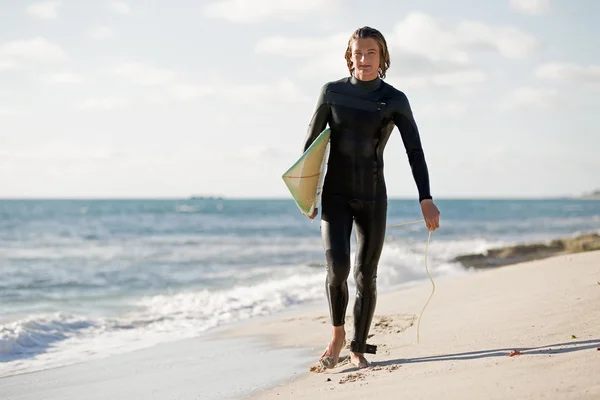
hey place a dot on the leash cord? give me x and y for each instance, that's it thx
(428, 274)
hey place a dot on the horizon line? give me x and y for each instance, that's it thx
(222, 197)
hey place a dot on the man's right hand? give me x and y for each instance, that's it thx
(431, 214)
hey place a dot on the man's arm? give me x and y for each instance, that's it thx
(403, 118)
(319, 119)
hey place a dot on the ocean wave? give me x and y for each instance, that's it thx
(59, 339)
(214, 308)
(35, 334)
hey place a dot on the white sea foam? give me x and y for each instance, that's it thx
(43, 341)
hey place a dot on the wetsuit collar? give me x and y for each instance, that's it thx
(365, 85)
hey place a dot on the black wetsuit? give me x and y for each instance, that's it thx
(361, 115)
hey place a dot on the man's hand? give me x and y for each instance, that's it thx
(431, 214)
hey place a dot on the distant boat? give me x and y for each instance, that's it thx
(206, 197)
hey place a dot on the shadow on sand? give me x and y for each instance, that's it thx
(558, 348)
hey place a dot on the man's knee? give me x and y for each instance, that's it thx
(338, 267)
(366, 282)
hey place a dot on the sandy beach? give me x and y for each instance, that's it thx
(546, 310)
(470, 338)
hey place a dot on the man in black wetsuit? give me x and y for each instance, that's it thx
(361, 110)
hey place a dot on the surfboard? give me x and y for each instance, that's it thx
(305, 177)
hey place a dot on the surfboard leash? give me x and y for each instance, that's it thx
(428, 274)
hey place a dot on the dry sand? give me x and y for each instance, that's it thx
(546, 310)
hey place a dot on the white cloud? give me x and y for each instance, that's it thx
(330, 64)
(260, 10)
(120, 7)
(326, 54)
(569, 71)
(454, 110)
(11, 112)
(101, 33)
(104, 103)
(444, 79)
(143, 75)
(300, 47)
(257, 152)
(156, 99)
(422, 34)
(7, 64)
(281, 91)
(45, 9)
(528, 96)
(63, 152)
(531, 7)
(438, 40)
(430, 51)
(65, 77)
(510, 42)
(459, 78)
(190, 92)
(36, 49)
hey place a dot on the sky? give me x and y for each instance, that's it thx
(167, 99)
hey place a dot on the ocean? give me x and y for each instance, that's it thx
(83, 279)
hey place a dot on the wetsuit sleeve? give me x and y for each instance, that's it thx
(404, 120)
(319, 119)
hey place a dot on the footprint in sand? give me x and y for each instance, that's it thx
(392, 323)
(360, 376)
(388, 368)
(353, 377)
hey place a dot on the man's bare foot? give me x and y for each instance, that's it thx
(331, 355)
(359, 360)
